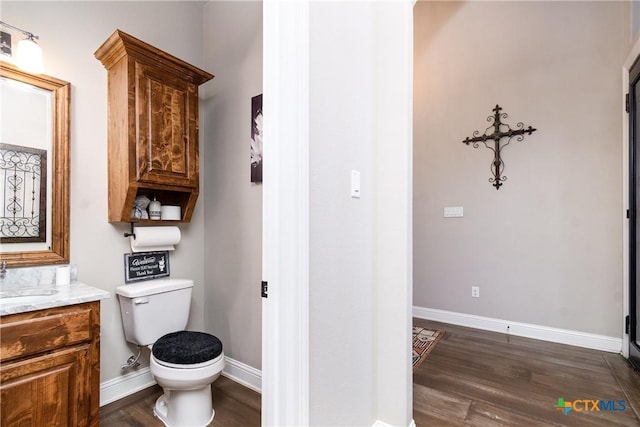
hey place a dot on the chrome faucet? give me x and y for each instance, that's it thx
(3, 271)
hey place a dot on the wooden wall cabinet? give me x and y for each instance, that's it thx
(152, 126)
(50, 367)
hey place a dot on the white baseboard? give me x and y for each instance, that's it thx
(379, 423)
(133, 382)
(243, 374)
(544, 333)
(123, 386)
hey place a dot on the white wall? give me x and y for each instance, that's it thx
(341, 293)
(359, 249)
(393, 100)
(545, 249)
(232, 204)
(69, 34)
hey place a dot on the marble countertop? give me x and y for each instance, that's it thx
(41, 297)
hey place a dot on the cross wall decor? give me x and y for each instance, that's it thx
(500, 131)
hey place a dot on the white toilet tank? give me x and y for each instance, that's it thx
(153, 308)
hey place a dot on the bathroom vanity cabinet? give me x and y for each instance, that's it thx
(152, 126)
(50, 366)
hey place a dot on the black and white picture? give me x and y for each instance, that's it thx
(5, 44)
(256, 138)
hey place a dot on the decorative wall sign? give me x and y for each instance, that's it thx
(23, 194)
(145, 266)
(500, 130)
(256, 138)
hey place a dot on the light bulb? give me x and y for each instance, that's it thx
(29, 56)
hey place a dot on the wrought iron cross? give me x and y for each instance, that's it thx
(500, 130)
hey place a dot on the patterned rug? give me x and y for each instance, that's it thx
(424, 340)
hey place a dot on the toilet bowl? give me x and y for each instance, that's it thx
(186, 376)
(187, 391)
(183, 363)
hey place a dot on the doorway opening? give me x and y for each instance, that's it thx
(634, 202)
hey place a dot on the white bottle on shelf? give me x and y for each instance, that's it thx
(155, 209)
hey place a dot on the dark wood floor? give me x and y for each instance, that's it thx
(471, 378)
(235, 405)
(479, 378)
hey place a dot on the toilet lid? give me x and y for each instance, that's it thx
(187, 347)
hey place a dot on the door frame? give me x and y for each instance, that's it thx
(626, 262)
(285, 200)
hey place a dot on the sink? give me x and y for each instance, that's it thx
(33, 292)
(22, 298)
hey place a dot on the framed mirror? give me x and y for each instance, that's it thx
(34, 168)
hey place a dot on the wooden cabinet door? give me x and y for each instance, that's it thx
(49, 390)
(166, 128)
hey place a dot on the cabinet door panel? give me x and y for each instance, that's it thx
(44, 390)
(165, 105)
(31, 335)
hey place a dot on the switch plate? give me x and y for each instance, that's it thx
(355, 184)
(453, 212)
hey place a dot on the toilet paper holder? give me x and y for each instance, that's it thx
(132, 234)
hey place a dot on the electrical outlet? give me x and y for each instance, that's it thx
(475, 291)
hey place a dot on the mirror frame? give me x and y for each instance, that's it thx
(58, 252)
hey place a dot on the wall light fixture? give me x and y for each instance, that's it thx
(28, 53)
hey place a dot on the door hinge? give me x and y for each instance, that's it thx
(264, 289)
(627, 107)
(628, 213)
(627, 321)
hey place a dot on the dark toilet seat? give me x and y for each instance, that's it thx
(187, 348)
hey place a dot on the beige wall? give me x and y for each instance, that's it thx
(69, 34)
(546, 248)
(232, 204)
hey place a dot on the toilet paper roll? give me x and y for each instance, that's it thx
(63, 275)
(148, 239)
(170, 212)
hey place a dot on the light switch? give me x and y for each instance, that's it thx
(355, 184)
(453, 212)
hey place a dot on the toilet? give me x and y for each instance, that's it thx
(184, 363)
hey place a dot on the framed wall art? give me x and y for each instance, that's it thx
(23, 194)
(256, 138)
